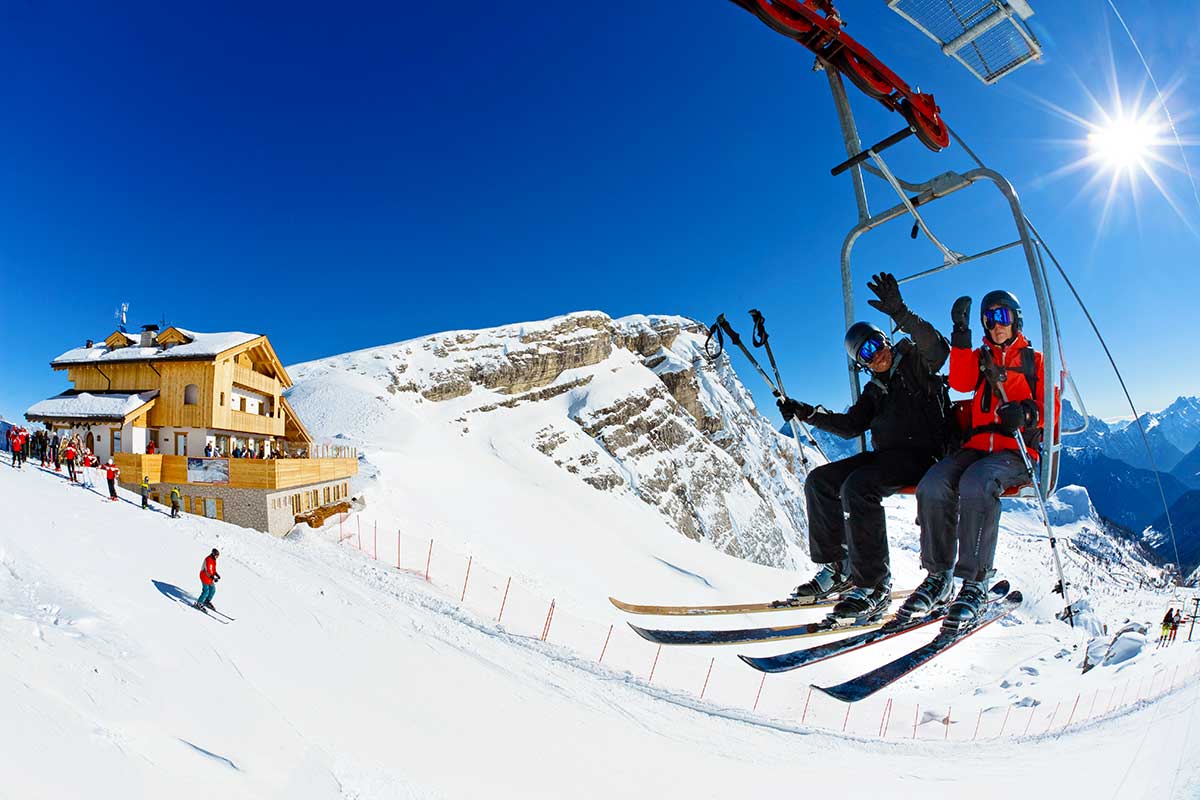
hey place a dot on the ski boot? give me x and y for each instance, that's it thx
(965, 610)
(830, 579)
(936, 590)
(209, 606)
(862, 605)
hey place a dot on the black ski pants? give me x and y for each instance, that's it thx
(958, 506)
(845, 509)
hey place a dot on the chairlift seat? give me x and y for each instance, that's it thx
(988, 37)
(962, 413)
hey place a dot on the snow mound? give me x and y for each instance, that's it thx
(1069, 504)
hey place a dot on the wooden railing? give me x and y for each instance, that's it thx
(255, 381)
(244, 473)
(244, 422)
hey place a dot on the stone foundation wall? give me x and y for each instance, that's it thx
(249, 508)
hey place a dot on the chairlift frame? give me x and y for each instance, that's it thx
(817, 25)
(913, 195)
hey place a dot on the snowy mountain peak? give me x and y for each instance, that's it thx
(630, 407)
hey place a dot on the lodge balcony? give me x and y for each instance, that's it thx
(244, 473)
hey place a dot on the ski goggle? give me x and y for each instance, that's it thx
(869, 349)
(1000, 315)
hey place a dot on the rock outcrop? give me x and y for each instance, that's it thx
(628, 405)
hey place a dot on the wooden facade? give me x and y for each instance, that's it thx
(200, 393)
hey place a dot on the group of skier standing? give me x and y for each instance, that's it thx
(960, 475)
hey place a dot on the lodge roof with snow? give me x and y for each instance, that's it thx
(170, 344)
(91, 406)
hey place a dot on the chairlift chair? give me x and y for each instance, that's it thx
(970, 30)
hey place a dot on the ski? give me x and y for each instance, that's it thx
(813, 655)
(750, 635)
(737, 608)
(204, 611)
(221, 613)
(871, 682)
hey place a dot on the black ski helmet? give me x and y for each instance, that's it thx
(858, 333)
(1000, 297)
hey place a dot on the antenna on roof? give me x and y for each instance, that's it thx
(119, 314)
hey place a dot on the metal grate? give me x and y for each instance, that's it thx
(989, 37)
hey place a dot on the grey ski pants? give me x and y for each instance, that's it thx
(958, 506)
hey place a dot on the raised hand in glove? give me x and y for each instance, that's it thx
(886, 288)
(1017, 415)
(794, 409)
(960, 315)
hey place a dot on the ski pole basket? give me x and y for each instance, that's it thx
(988, 37)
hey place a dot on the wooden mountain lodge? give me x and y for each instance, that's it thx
(204, 412)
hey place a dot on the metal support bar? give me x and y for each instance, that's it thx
(962, 260)
(878, 147)
(978, 29)
(950, 256)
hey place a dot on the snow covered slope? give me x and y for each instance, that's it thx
(343, 678)
(563, 435)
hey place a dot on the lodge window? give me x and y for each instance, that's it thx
(191, 394)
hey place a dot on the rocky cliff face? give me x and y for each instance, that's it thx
(630, 407)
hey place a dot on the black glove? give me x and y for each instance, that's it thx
(1017, 415)
(886, 288)
(216, 578)
(960, 315)
(794, 409)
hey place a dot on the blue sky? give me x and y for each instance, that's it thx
(342, 177)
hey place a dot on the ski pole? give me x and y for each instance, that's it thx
(760, 338)
(1037, 487)
(720, 329)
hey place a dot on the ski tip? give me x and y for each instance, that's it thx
(618, 603)
(645, 633)
(1001, 588)
(1015, 597)
(843, 692)
(752, 661)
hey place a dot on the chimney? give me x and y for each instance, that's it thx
(148, 334)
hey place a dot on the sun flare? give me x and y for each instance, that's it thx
(1123, 144)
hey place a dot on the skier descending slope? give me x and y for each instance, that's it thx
(905, 406)
(208, 579)
(958, 501)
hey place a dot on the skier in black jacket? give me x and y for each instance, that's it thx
(903, 407)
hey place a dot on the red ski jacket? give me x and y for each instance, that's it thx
(965, 376)
(111, 472)
(209, 572)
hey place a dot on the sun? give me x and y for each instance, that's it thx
(1124, 144)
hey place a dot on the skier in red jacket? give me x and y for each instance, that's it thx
(112, 472)
(69, 457)
(958, 500)
(208, 578)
